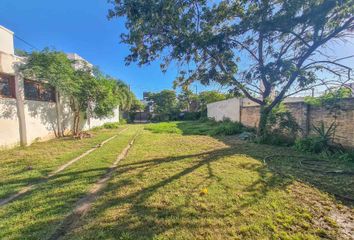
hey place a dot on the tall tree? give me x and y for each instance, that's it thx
(257, 47)
(52, 68)
(187, 100)
(89, 91)
(165, 103)
(207, 97)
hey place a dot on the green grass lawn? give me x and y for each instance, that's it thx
(210, 128)
(23, 165)
(178, 185)
(38, 213)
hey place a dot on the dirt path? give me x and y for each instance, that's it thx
(85, 203)
(55, 172)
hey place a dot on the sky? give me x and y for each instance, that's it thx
(82, 27)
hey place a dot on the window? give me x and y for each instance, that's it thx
(39, 92)
(7, 86)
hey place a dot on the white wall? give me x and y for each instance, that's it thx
(6, 40)
(25, 121)
(9, 125)
(96, 122)
(229, 108)
(41, 120)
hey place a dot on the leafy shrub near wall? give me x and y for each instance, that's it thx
(112, 125)
(276, 138)
(189, 116)
(202, 127)
(227, 127)
(321, 142)
(282, 128)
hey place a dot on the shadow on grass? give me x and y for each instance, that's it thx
(334, 176)
(147, 221)
(144, 221)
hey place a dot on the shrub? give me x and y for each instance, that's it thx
(112, 125)
(189, 116)
(281, 122)
(228, 128)
(276, 138)
(205, 119)
(122, 121)
(321, 142)
(165, 127)
(347, 156)
(309, 144)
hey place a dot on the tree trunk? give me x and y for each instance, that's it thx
(262, 126)
(57, 107)
(77, 122)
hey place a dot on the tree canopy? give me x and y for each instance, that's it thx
(266, 49)
(88, 90)
(165, 102)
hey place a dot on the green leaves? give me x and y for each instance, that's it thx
(51, 67)
(240, 44)
(89, 89)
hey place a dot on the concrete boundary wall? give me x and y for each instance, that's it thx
(221, 110)
(24, 121)
(306, 115)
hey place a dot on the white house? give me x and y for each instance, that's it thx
(28, 109)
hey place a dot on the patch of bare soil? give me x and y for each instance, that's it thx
(334, 220)
(84, 204)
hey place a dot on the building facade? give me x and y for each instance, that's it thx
(29, 110)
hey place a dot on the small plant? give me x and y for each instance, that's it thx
(321, 142)
(282, 128)
(347, 156)
(113, 125)
(228, 128)
(122, 121)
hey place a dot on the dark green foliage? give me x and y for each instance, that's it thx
(112, 125)
(189, 116)
(279, 44)
(276, 138)
(330, 98)
(90, 92)
(165, 105)
(281, 121)
(204, 127)
(207, 97)
(228, 128)
(321, 142)
(347, 156)
(281, 129)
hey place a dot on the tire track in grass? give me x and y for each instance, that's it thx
(55, 172)
(85, 203)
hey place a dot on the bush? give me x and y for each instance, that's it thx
(205, 119)
(347, 156)
(310, 144)
(112, 125)
(228, 128)
(189, 116)
(322, 142)
(276, 138)
(122, 121)
(165, 127)
(204, 127)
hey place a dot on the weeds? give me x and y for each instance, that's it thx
(202, 127)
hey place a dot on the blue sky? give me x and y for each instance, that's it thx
(81, 26)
